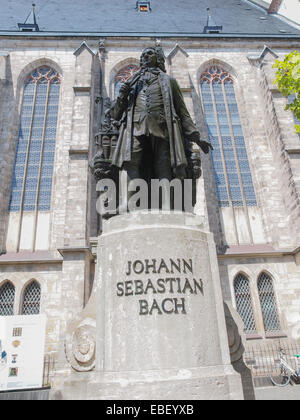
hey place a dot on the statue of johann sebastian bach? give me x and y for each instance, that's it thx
(156, 132)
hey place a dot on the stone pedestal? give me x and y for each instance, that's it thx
(160, 325)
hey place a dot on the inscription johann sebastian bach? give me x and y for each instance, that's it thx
(168, 284)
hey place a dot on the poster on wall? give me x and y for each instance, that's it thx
(22, 347)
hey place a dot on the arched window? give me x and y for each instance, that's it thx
(31, 299)
(229, 158)
(244, 302)
(268, 303)
(33, 170)
(7, 298)
(121, 77)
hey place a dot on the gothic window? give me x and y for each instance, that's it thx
(229, 158)
(7, 298)
(124, 74)
(244, 302)
(31, 299)
(268, 303)
(32, 176)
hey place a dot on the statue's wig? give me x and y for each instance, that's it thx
(159, 56)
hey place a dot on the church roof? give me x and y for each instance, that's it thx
(163, 18)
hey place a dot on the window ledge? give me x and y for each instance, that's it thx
(253, 336)
(276, 334)
(82, 88)
(27, 257)
(78, 150)
(292, 151)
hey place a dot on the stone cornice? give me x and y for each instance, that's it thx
(292, 151)
(76, 250)
(257, 251)
(39, 257)
(77, 150)
(142, 35)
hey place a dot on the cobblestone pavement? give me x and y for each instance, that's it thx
(289, 392)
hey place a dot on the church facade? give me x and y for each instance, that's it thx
(53, 84)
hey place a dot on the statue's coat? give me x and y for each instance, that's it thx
(178, 120)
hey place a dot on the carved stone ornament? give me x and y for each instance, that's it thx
(81, 347)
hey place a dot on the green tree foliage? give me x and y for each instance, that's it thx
(288, 81)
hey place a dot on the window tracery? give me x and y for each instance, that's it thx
(31, 299)
(124, 74)
(7, 298)
(229, 158)
(32, 176)
(244, 302)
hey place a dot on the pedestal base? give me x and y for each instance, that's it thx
(160, 324)
(210, 383)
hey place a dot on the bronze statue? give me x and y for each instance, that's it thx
(155, 130)
(156, 126)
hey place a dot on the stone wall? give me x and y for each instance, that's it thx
(6, 121)
(65, 287)
(49, 276)
(284, 272)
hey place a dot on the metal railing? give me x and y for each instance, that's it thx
(49, 366)
(260, 358)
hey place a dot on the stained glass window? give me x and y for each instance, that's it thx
(268, 303)
(31, 299)
(32, 177)
(244, 302)
(229, 158)
(7, 298)
(124, 74)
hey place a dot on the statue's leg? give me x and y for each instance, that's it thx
(162, 159)
(132, 169)
(133, 166)
(163, 171)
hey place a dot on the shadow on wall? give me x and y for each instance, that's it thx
(9, 119)
(236, 343)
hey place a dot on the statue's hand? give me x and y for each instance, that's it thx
(107, 113)
(204, 145)
(124, 90)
